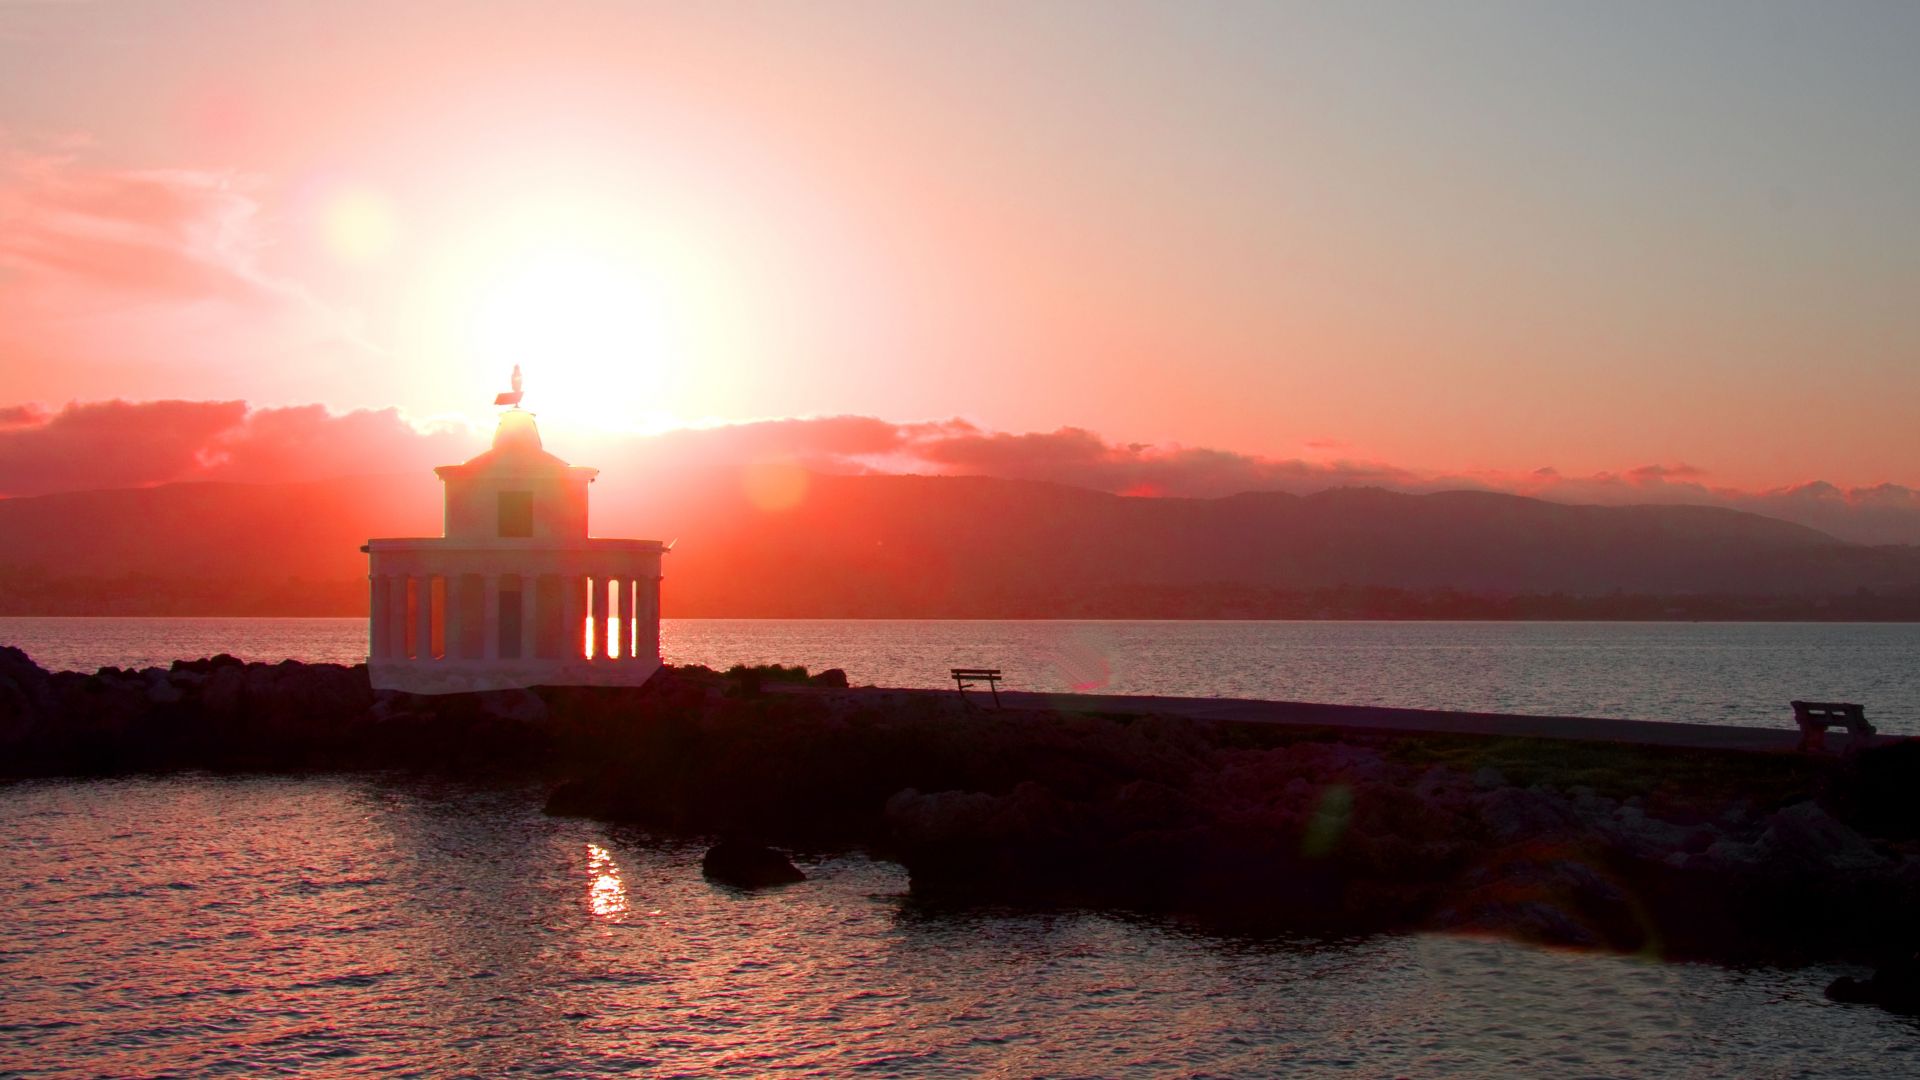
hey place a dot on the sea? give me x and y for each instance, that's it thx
(376, 925)
(1712, 673)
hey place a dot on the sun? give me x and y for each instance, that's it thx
(622, 314)
(591, 329)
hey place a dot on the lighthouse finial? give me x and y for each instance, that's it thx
(513, 398)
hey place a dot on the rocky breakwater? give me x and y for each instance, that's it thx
(1660, 851)
(225, 714)
(1653, 850)
(1337, 836)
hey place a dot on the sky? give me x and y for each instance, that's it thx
(1546, 247)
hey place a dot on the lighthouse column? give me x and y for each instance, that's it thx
(649, 619)
(396, 617)
(423, 617)
(573, 593)
(377, 636)
(529, 614)
(453, 623)
(490, 642)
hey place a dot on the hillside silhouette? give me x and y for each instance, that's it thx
(920, 546)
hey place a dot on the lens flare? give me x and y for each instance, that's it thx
(774, 486)
(358, 225)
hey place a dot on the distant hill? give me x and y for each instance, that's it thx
(915, 546)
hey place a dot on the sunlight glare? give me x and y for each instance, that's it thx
(590, 329)
(358, 225)
(606, 895)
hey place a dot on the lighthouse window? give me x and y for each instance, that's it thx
(516, 513)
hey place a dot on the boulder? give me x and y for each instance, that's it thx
(1894, 986)
(160, 689)
(520, 706)
(208, 665)
(1545, 894)
(1806, 838)
(26, 692)
(748, 866)
(1526, 813)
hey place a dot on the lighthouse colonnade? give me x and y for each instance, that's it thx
(425, 617)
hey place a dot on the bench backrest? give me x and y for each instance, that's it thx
(975, 673)
(1839, 711)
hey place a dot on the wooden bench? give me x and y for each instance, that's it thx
(1815, 717)
(964, 677)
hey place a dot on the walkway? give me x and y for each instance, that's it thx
(1414, 721)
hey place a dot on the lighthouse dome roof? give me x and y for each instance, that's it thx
(516, 451)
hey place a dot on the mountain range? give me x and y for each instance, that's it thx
(927, 546)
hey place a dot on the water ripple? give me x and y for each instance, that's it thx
(461, 933)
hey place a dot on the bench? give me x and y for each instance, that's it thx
(1815, 717)
(964, 677)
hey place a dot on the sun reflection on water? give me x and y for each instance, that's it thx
(606, 895)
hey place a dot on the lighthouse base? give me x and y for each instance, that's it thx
(473, 676)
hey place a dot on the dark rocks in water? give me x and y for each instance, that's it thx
(1546, 893)
(833, 679)
(576, 798)
(208, 665)
(1894, 986)
(1873, 791)
(748, 866)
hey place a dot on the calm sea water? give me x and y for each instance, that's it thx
(1740, 673)
(356, 926)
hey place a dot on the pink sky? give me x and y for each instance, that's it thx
(1376, 244)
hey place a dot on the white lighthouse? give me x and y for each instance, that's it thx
(516, 593)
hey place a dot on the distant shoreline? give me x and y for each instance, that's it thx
(1790, 616)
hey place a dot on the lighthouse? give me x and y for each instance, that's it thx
(516, 593)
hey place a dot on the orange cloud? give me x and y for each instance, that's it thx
(137, 444)
(110, 444)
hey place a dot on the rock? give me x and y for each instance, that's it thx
(575, 798)
(160, 690)
(523, 706)
(1326, 761)
(1629, 829)
(1149, 804)
(748, 866)
(1438, 783)
(1805, 837)
(1522, 813)
(1894, 986)
(25, 689)
(208, 665)
(832, 679)
(1874, 792)
(968, 818)
(1542, 896)
(224, 689)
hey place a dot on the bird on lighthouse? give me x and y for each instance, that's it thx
(513, 398)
